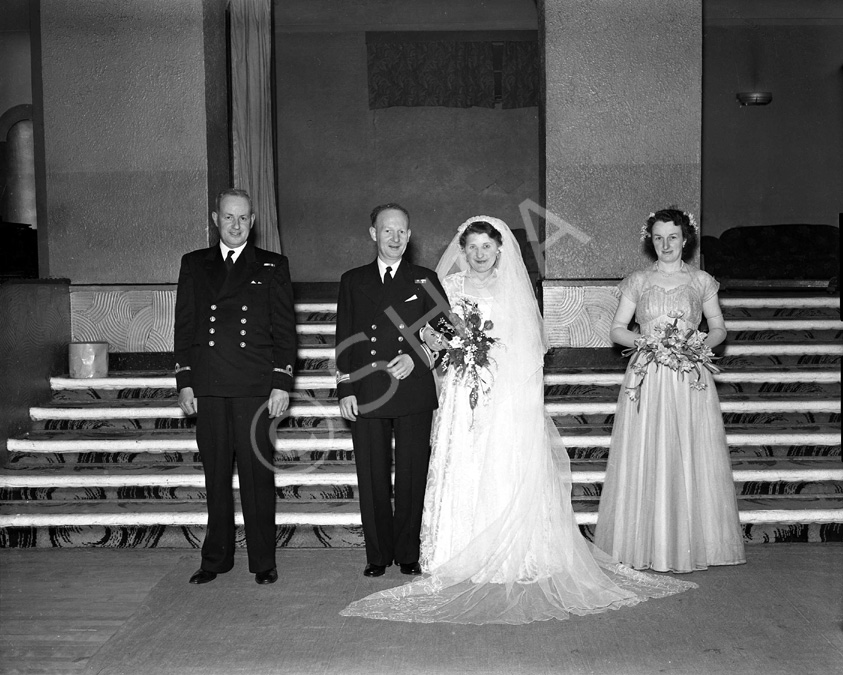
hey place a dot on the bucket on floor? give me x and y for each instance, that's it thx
(88, 359)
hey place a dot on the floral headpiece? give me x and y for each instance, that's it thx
(646, 233)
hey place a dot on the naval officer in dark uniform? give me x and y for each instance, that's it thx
(235, 346)
(385, 386)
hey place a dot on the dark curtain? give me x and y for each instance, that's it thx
(251, 114)
(520, 75)
(452, 74)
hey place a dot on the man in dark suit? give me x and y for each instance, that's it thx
(235, 346)
(385, 386)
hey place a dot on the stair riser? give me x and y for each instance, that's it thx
(808, 389)
(183, 537)
(745, 334)
(597, 453)
(349, 492)
(762, 313)
(338, 424)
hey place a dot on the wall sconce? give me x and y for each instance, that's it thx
(754, 97)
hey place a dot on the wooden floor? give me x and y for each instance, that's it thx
(780, 613)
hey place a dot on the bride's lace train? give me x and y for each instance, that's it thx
(433, 599)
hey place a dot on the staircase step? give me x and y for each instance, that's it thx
(117, 382)
(343, 473)
(781, 301)
(792, 301)
(138, 409)
(297, 440)
(810, 509)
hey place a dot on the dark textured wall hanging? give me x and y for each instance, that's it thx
(453, 69)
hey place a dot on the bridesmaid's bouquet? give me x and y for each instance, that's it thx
(683, 351)
(468, 348)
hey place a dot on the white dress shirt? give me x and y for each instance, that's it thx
(237, 251)
(382, 267)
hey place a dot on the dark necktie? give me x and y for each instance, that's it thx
(229, 261)
(387, 277)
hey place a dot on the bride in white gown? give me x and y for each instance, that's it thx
(499, 542)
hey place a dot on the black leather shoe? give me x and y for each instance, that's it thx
(373, 570)
(202, 577)
(411, 568)
(268, 577)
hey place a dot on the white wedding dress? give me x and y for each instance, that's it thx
(500, 543)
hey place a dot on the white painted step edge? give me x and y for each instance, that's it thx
(318, 409)
(785, 302)
(310, 477)
(329, 307)
(329, 382)
(783, 324)
(731, 325)
(791, 302)
(351, 519)
(345, 443)
(733, 349)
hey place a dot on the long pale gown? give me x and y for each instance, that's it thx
(668, 501)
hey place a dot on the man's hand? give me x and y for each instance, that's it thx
(348, 407)
(401, 366)
(279, 401)
(187, 401)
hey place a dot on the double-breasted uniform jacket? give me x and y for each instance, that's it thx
(377, 323)
(235, 332)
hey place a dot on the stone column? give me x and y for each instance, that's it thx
(623, 131)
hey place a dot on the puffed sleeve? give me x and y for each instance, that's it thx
(708, 285)
(630, 287)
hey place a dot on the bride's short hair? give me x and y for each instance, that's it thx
(481, 227)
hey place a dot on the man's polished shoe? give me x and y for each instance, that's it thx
(373, 570)
(202, 577)
(411, 568)
(268, 577)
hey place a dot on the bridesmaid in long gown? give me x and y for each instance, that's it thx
(668, 501)
(499, 540)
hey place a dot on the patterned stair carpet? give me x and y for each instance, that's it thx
(113, 462)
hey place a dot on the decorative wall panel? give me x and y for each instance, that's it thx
(579, 316)
(129, 319)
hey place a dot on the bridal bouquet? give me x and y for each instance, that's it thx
(680, 350)
(468, 348)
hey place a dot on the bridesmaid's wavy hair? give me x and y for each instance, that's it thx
(677, 217)
(481, 227)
